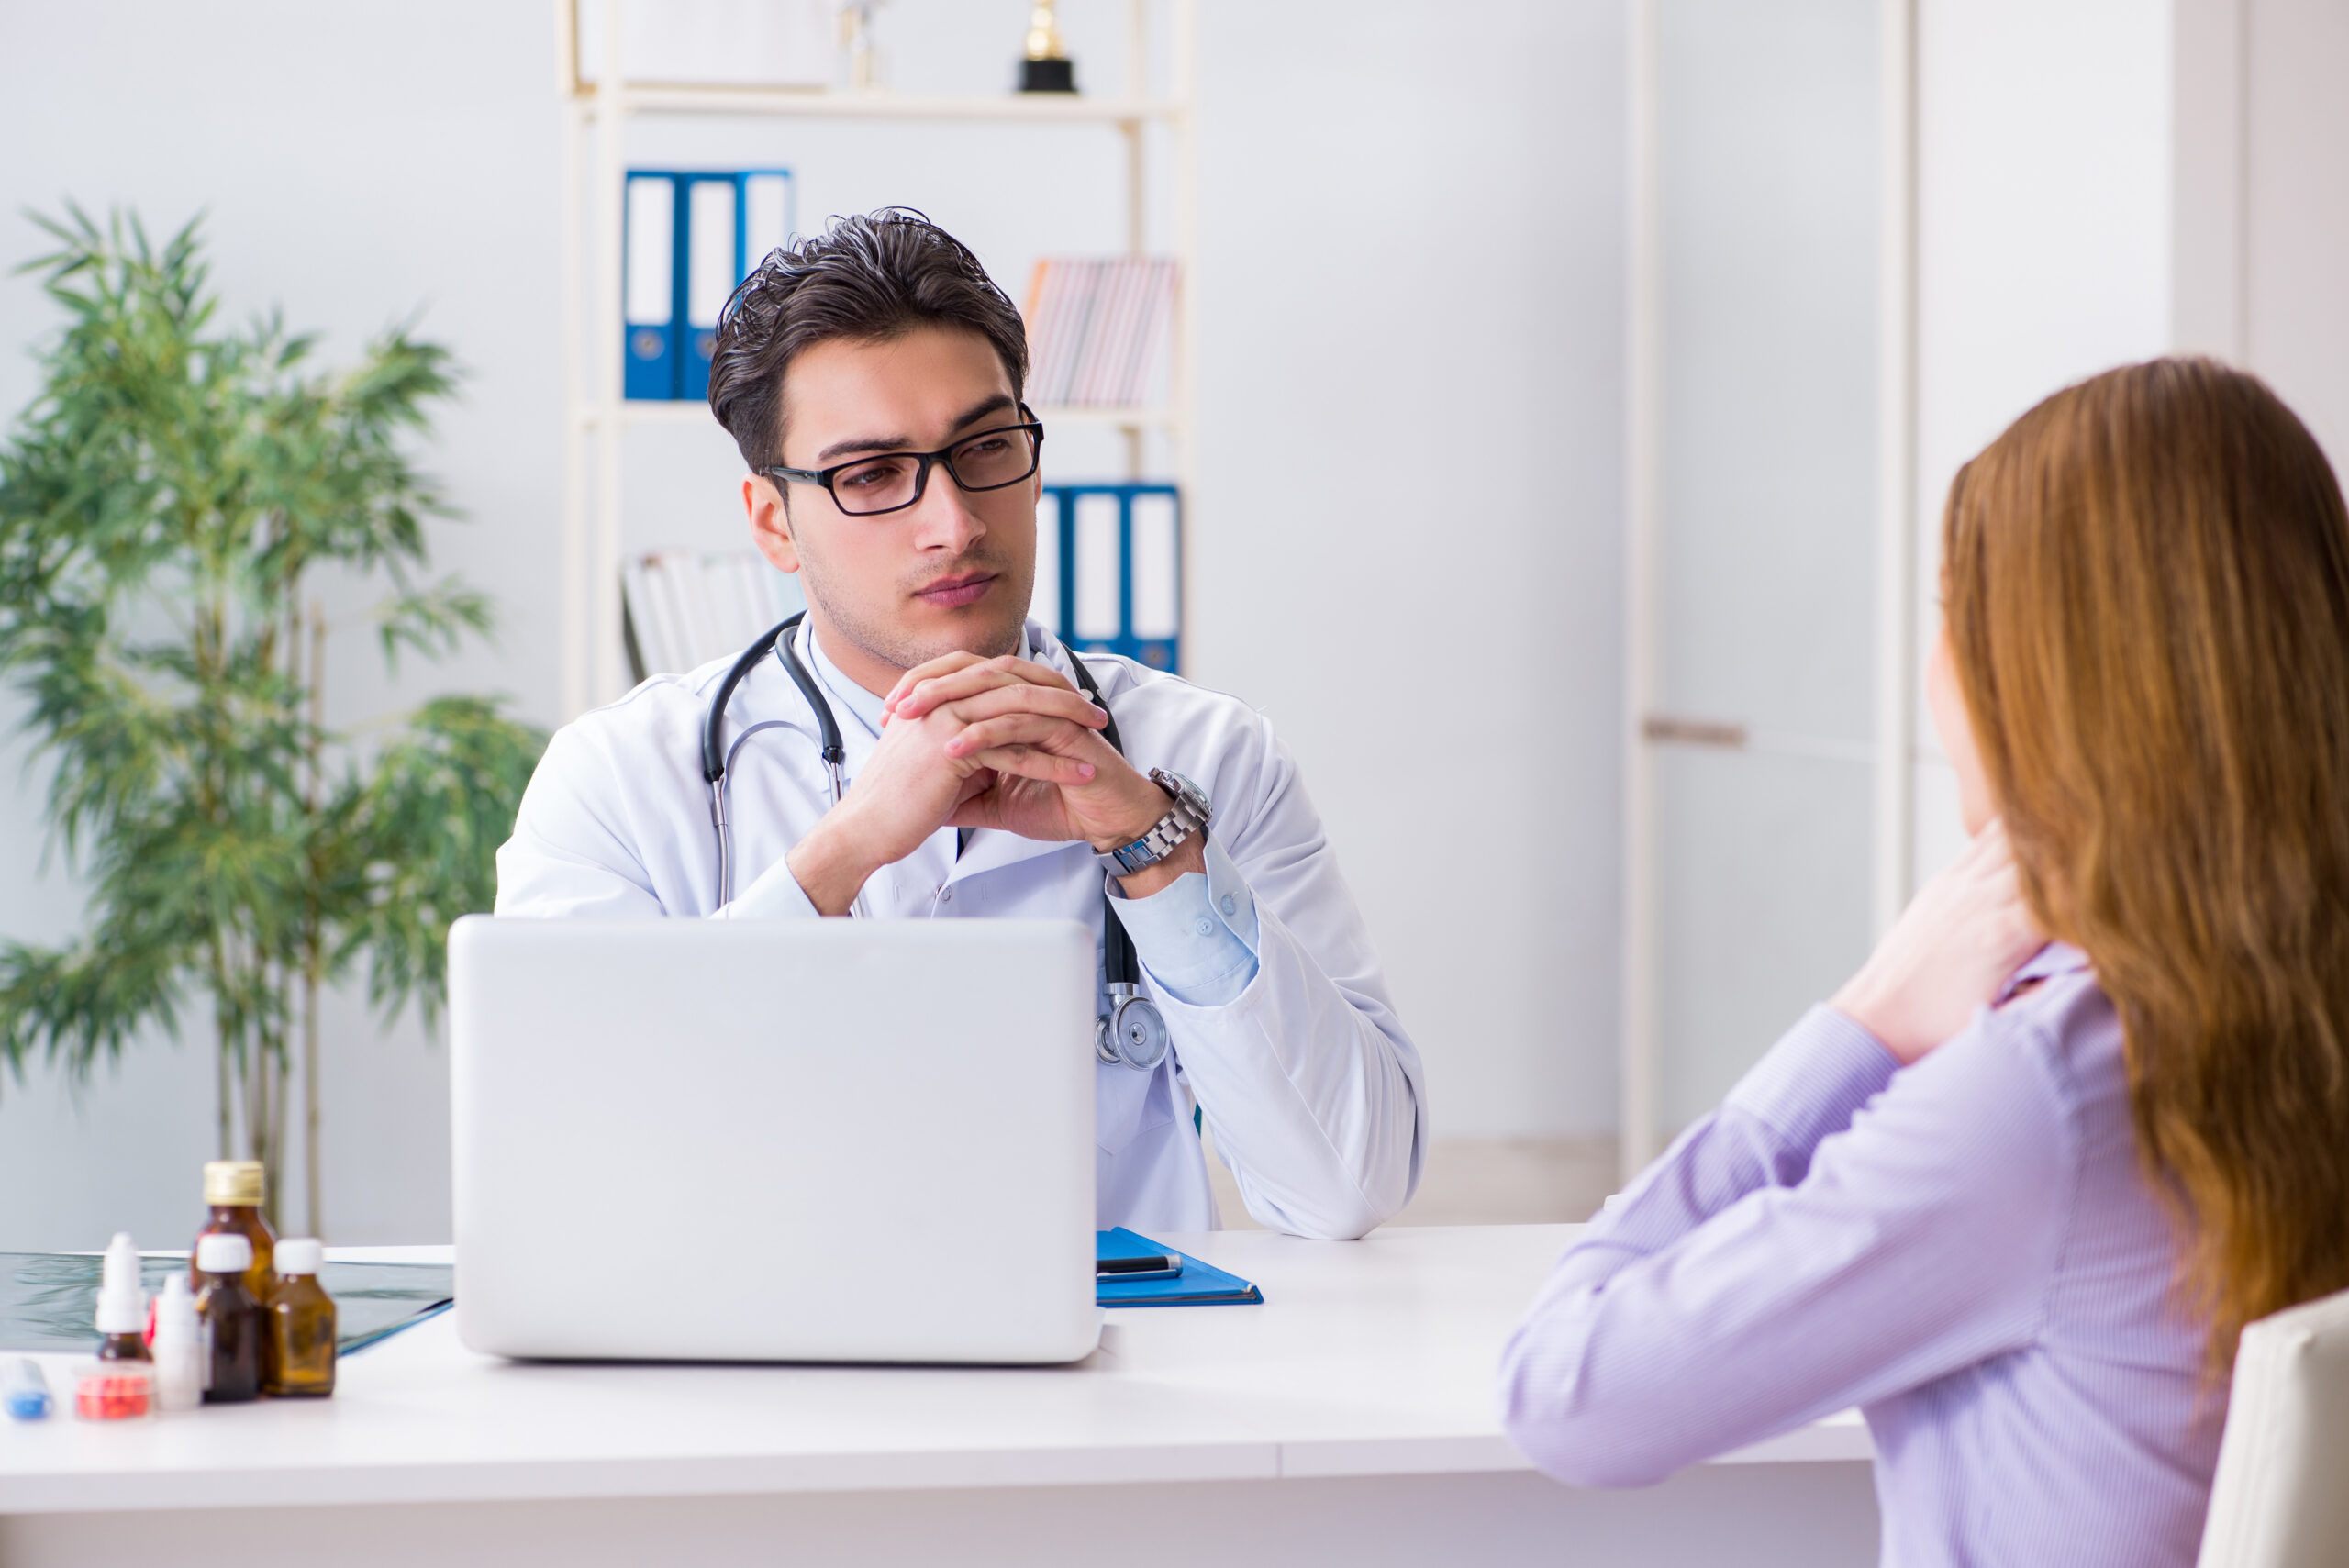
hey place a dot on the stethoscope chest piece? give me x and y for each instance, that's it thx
(1132, 1031)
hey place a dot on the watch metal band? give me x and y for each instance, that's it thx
(1188, 814)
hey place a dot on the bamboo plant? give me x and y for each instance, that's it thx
(169, 503)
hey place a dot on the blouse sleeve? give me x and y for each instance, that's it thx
(1836, 1232)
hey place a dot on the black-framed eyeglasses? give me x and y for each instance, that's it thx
(893, 480)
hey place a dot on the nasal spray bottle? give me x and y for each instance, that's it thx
(122, 1383)
(122, 1303)
(179, 1348)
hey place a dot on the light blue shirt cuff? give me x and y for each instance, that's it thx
(1197, 935)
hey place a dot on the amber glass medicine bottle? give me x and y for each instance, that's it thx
(301, 1324)
(232, 1190)
(234, 1323)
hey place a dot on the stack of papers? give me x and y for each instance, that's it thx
(48, 1300)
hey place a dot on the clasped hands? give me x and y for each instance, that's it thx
(971, 742)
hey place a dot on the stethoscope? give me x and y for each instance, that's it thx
(1132, 1031)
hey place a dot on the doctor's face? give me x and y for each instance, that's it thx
(952, 572)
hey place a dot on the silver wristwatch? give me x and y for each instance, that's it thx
(1188, 815)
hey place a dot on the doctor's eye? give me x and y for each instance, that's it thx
(996, 458)
(877, 478)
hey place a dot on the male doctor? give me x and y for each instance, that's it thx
(872, 378)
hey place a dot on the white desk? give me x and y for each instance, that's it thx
(1349, 1418)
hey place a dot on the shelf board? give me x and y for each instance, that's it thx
(818, 102)
(649, 411)
(693, 411)
(1107, 414)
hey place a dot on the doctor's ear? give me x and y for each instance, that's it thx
(770, 517)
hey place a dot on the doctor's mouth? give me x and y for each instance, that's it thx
(953, 593)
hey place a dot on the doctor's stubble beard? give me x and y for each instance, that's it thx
(1008, 607)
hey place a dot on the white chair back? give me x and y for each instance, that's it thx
(2281, 1497)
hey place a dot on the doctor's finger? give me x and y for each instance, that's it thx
(917, 694)
(1030, 762)
(1022, 729)
(914, 699)
(944, 665)
(1020, 697)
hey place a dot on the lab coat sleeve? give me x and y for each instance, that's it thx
(574, 853)
(775, 896)
(570, 855)
(1304, 1073)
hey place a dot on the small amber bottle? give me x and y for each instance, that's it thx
(234, 1323)
(232, 1190)
(301, 1324)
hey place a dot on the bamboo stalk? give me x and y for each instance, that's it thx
(312, 1183)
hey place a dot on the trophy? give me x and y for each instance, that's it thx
(1048, 67)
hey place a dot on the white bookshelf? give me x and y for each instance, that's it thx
(598, 417)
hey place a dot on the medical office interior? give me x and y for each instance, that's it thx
(1558, 398)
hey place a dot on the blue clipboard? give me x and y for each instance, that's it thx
(1199, 1284)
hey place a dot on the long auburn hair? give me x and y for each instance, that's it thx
(2148, 603)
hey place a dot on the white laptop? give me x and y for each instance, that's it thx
(827, 1141)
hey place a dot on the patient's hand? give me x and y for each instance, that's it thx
(1949, 952)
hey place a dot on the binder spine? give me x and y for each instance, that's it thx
(692, 237)
(648, 288)
(1147, 591)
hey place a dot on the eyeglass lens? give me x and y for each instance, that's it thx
(989, 460)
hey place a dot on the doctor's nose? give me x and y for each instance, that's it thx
(943, 518)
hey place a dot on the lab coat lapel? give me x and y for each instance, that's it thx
(992, 849)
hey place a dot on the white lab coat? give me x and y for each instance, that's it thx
(1312, 1089)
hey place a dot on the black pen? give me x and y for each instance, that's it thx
(1152, 1267)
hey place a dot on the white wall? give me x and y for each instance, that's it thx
(2106, 180)
(1768, 181)
(1412, 240)
(2044, 238)
(2262, 221)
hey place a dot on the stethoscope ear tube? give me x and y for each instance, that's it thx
(777, 639)
(713, 754)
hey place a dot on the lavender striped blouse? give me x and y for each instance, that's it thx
(1966, 1248)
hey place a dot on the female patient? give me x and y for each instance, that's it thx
(2023, 1236)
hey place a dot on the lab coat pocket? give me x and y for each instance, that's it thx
(1127, 1104)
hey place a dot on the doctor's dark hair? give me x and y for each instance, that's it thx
(866, 278)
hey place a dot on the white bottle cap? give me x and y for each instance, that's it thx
(122, 1305)
(302, 1255)
(224, 1254)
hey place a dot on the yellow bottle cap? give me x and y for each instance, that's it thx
(233, 1182)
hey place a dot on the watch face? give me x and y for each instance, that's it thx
(1194, 796)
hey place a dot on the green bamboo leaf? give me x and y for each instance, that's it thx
(163, 499)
